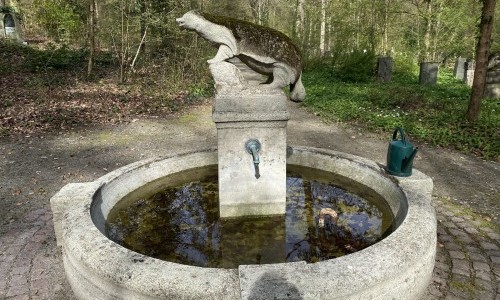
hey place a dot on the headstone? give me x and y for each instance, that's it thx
(428, 73)
(459, 70)
(470, 65)
(384, 68)
(10, 26)
(493, 78)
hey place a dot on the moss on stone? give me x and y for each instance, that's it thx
(464, 286)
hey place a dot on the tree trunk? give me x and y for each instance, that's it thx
(143, 24)
(385, 39)
(259, 8)
(309, 45)
(92, 25)
(428, 27)
(299, 16)
(482, 53)
(124, 39)
(323, 29)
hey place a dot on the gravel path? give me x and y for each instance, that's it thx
(32, 169)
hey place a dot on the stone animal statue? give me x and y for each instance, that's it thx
(262, 49)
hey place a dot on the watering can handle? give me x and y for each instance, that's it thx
(401, 132)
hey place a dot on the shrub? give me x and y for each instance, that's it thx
(405, 69)
(62, 58)
(357, 66)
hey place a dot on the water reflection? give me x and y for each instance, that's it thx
(181, 224)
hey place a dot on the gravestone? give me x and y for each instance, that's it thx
(10, 27)
(384, 68)
(428, 73)
(470, 65)
(459, 70)
(493, 78)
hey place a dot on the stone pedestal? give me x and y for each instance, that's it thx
(239, 117)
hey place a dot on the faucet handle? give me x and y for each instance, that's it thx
(253, 146)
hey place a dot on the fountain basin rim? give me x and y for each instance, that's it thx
(93, 261)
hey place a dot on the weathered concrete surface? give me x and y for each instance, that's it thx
(97, 268)
(240, 118)
(398, 267)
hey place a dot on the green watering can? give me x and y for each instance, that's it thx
(400, 155)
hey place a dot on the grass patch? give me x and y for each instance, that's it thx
(429, 114)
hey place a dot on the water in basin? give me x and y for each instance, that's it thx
(179, 222)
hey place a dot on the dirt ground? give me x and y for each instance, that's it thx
(34, 168)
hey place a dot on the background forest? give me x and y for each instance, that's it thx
(408, 30)
(133, 57)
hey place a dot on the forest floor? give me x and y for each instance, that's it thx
(34, 166)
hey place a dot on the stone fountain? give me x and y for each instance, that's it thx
(251, 157)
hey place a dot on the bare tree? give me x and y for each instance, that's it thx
(92, 26)
(124, 39)
(143, 23)
(260, 10)
(322, 33)
(428, 27)
(299, 18)
(482, 53)
(385, 27)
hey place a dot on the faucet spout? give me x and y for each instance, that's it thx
(257, 172)
(252, 146)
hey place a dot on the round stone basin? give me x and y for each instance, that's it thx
(397, 267)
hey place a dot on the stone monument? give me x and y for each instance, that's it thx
(459, 70)
(384, 68)
(428, 73)
(493, 77)
(470, 66)
(10, 25)
(252, 66)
